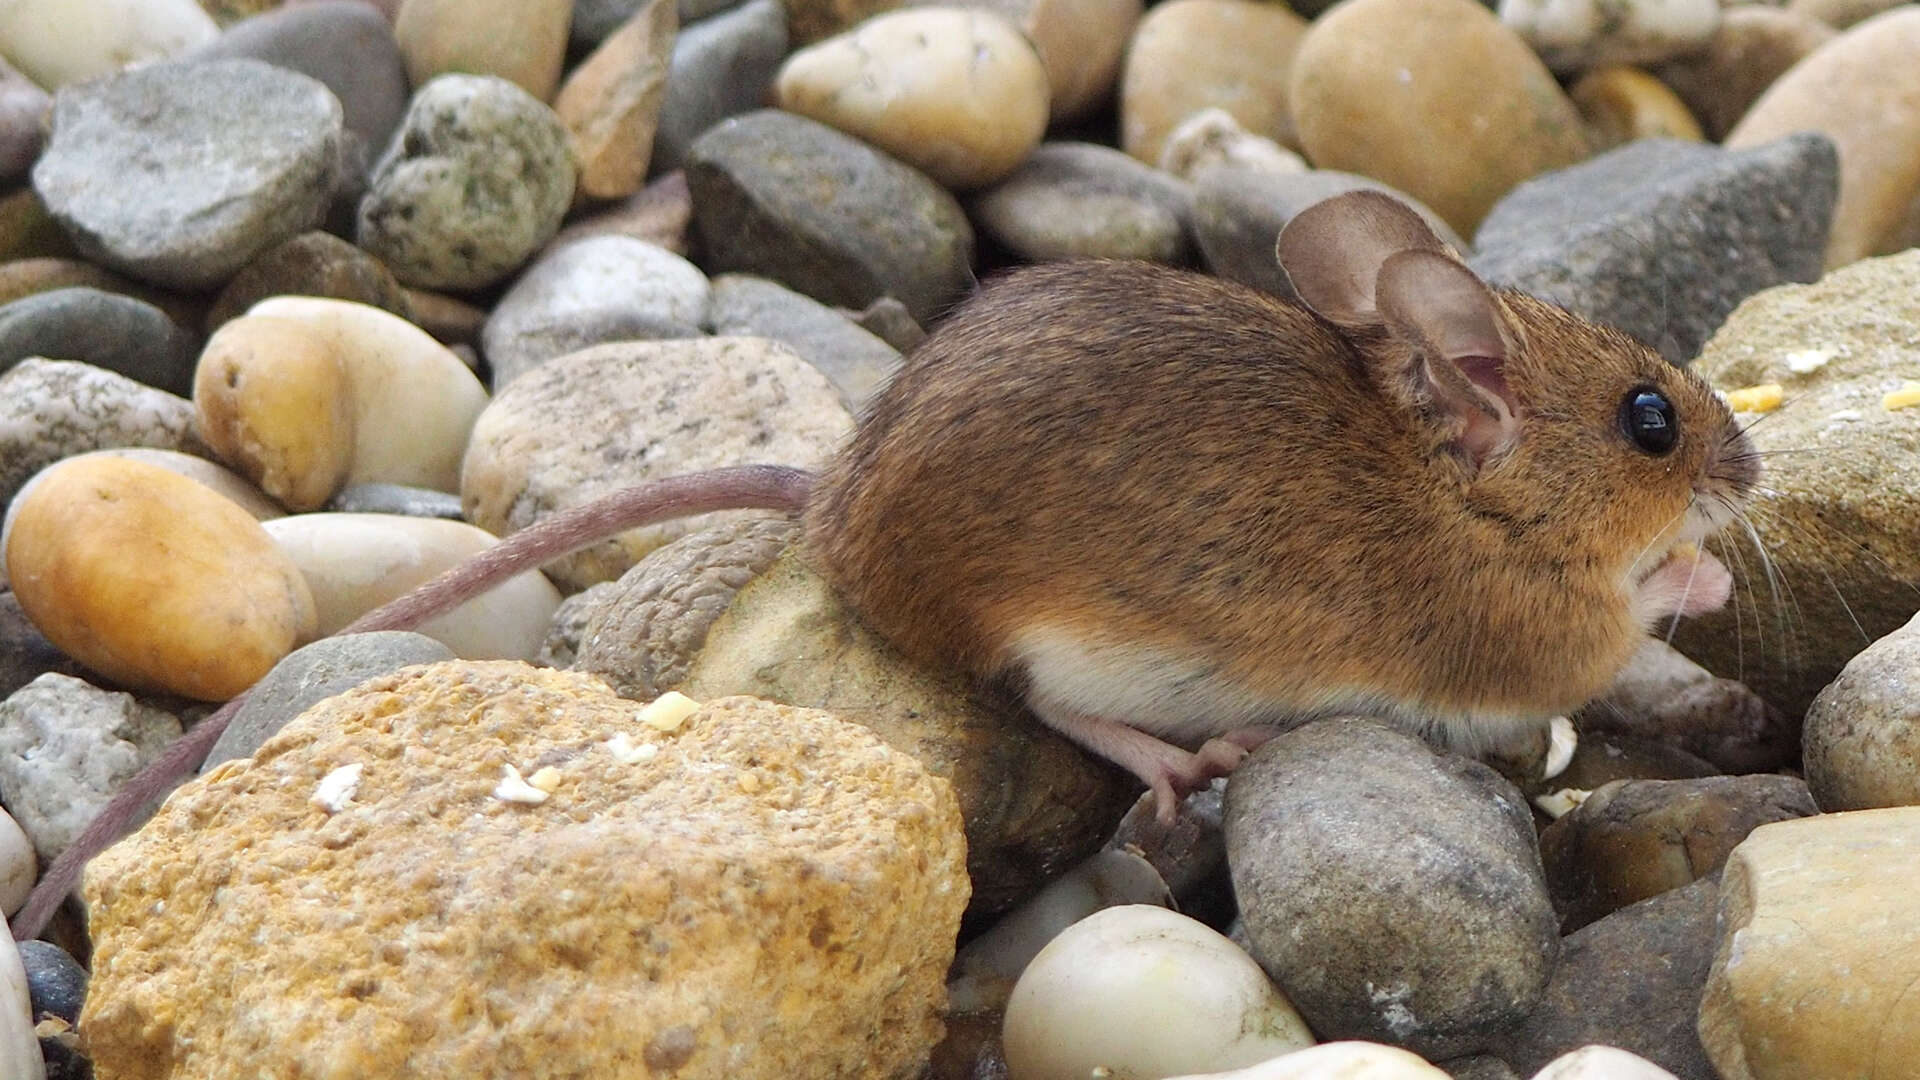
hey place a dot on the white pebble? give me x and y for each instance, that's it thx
(1336, 1061)
(18, 868)
(668, 711)
(514, 788)
(1601, 1063)
(336, 789)
(1562, 740)
(19, 1047)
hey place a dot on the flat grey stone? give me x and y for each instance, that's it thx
(1082, 200)
(123, 335)
(855, 361)
(51, 409)
(395, 499)
(721, 67)
(1663, 238)
(179, 173)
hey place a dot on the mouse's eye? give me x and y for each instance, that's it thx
(1647, 418)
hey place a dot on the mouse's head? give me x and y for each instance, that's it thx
(1586, 438)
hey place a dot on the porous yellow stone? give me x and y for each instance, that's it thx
(271, 398)
(152, 579)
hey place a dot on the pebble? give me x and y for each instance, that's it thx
(446, 318)
(1081, 200)
(56, 42)
(1621, 104)
(1602, 1063)
(1605, 756)
(18, 867)
(1103, 994)
(1238, 213)
(356, 562)
(1841, 14)
(348, 46)
(477, 179)
(1213, 137)
(1631, 980)
(65, 748)
(1862, 742)
(819, 211)
(1189, 55)
(413, 401)
(1862, 91)
(395, 499)
(19, 1048)
(217, 185)
(1663, 238)
(21, 278)
(1635, 839)
(91, 549)
(275, 402)
(520, 41)
(756, 848)
(1754, 46)
(889, 320)
(1347, 1060)
(1435, 97)
(1831, 530)
(730, 610)
(611, 102)
(1578, 35)
(855, 361)
(1817, 941)
(50, 409)
(600, 289)
(23, 117)
(198, 469)
(603, 418)
(1662, 695)
(56, 983)
(811, 20)
(313, 673)
(1346, 833)
(723, 66)
(958, 93)
(311, 264)
(1080, 42)
(659, 214)
(118, 333)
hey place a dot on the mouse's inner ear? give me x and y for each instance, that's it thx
(1458, 329)
(1333, 251)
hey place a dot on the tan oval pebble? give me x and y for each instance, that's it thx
(414, 401)
(1753, 46)
(1189, 55)
(1621, 104)
(272, 398)
(211, 473)
(1842, 14)
(356, 562)
(521, 41)
(610, 104)
(153, 580)
(1862, 90)
(959, 94)
(1434, 97)
(1081, 43)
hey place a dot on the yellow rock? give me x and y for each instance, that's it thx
(271, 397)
(1190, 55)
(770, 893)
(960, 94)
(1080, 42)
(1862, 90)
(1622, 104)
(1435, 97)
(211, 473)
(152, 579)
(1753, 45)
(521, 41)
(1819, 951)
(611, 102)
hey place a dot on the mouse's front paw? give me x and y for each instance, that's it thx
(1689, 582)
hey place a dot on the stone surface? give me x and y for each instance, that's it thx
(600, 289)
(1238, 213)
(23, 115)
(93, 550)
(1632, 981)
(272, 398)
(611, 102)
(477, 179)
(1080, 200)
(1754, 45)
(788, 198)
(395, 499)
(521, 41)
(811, 20)
(118, 333)
(65, 748)
(1434, 97)
(1862, 735)
(721, 612)
(356, 562)
(18, 867)
(1603, 757)
(1861, 91)
(1578, 35)
(20, 1054)
(957, 93)
(1190, 55)
(1662, 695)
(56, 42)
(1635, 839)
(1213, 137)
(1663, 238)
(1841, 14)
(1392, 892)
(856, 362)
(311, 264)
(1081, 43)
(25, 653)
(346, 44)
(50, 409)
(1814, 965)
(232, 156)
(1835, 519)
(770, 893)
(1595, 1062)
(1621, 104)
(211, 474)
(313, 673)
(721, 67)
(658, 214)
(614, 415)
(56, 983)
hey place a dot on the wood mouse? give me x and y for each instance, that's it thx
(1172, 512)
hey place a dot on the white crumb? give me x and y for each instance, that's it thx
(668, 711)
(623, 750)
(336, 789)
(1808, 360)
(514, 788)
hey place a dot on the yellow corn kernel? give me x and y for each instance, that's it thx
(1904, 398)
(1763, 398)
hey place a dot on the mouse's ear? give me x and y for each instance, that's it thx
(1461, 343)
(1332, 251)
